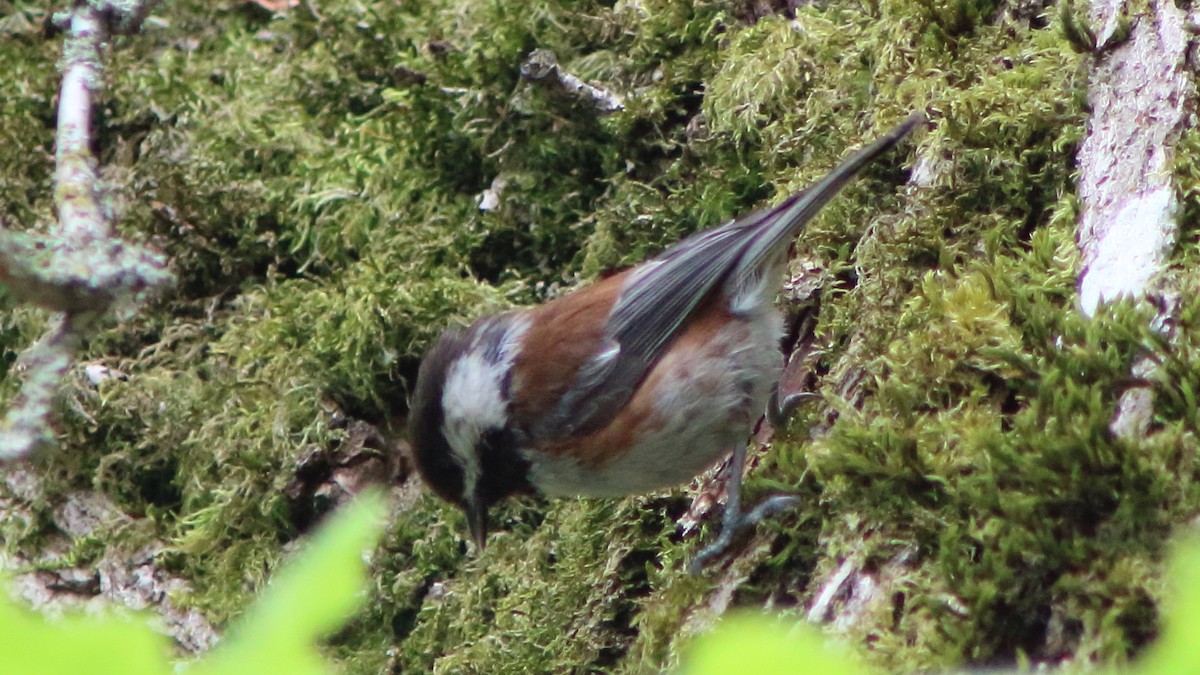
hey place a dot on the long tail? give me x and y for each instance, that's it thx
(788, 218)
(661, 294)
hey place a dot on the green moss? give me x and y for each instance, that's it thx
(27, 125)
(315, 179)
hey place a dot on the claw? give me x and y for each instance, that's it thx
(734, 520)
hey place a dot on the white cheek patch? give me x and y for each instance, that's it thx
(473, 400)
(472, 404)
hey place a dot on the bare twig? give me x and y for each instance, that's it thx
(79, 270)
(542, 66)
(25, 425)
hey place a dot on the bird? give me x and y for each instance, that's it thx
(634, 383)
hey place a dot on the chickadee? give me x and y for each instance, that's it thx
(631, 384)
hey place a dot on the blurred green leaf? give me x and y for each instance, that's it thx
(306, 601)
(74, 644)
(1177, 649)
(753, 643)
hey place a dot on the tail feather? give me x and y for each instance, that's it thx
(787, 219)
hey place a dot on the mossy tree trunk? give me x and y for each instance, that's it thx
(336, 183)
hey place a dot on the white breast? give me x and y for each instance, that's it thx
(705, 408)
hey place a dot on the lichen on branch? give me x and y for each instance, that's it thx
(78, 269)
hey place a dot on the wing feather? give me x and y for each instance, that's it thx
(661, 295)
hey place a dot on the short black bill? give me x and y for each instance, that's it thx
(477, 524)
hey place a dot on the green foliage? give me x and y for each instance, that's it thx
(315, 177)
(1178, 651)
(751, 643)
(312, 596)
(79, 644)
(27, 125)
(536, 596)
(758, 644)
(308, 599)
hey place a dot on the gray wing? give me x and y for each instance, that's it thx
(661, 294)
(657, 299)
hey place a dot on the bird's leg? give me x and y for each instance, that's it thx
(733, 521)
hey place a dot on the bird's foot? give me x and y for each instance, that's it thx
(734, 522)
